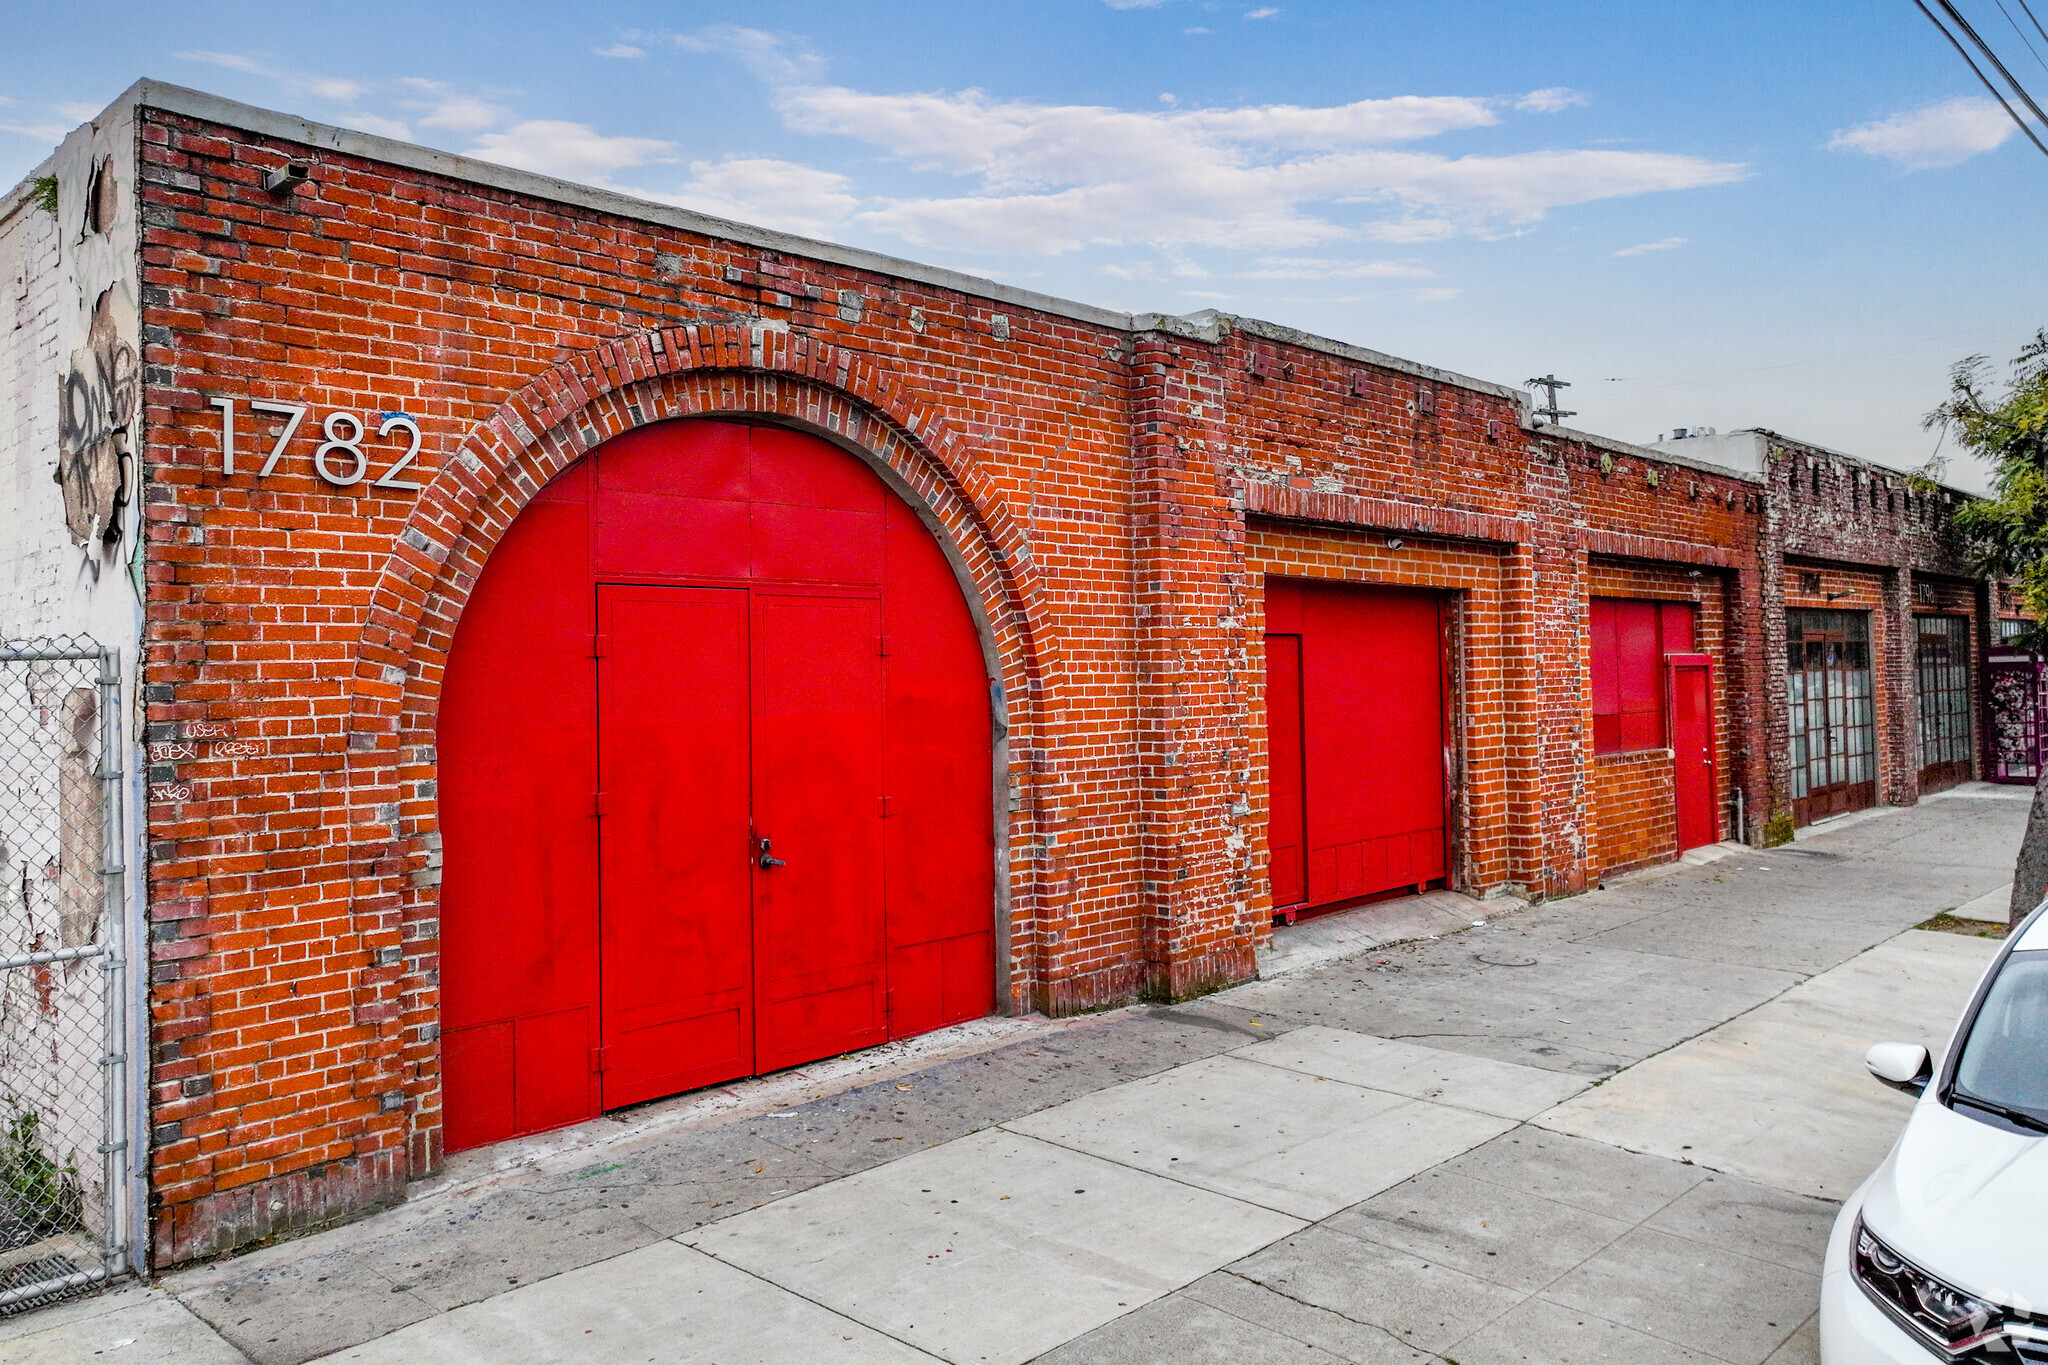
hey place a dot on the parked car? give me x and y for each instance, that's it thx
(1944, 1249)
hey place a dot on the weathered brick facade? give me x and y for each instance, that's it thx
(1113, 491)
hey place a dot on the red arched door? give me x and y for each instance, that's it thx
(714, 774)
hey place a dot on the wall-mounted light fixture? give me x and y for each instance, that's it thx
(1393, 542)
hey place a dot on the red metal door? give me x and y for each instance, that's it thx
(1692, 750)
(676, 923)
(1286, 834)
(818, 925)
(1372, 727)
(783, 648)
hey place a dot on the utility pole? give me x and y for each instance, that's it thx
(1549, 412)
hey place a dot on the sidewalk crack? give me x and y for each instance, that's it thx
(1386, 1332)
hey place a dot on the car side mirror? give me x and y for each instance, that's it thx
(1902, 1066)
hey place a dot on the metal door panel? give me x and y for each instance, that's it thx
(673, 765)
(1286, 835)
(817, 544)
(715, 462)
(1372, 740)
(819, 926)
(649, 535)
(517, 766)
(938, 781)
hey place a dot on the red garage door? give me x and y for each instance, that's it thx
(1355, 732)
(714, 765)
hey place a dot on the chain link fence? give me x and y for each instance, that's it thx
(63, 1163)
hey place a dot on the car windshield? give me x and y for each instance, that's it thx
(2004, 1062)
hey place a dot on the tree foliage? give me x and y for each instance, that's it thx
(2008, 532)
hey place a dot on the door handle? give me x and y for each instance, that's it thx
(767, 859)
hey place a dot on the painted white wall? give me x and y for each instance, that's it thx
(66, 387)
(1743, 450)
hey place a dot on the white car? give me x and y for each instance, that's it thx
(1944, 1250)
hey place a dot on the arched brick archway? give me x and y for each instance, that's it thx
(469, 505)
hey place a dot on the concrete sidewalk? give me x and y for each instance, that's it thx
(1594, 1129)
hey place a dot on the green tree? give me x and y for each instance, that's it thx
(2008, 532)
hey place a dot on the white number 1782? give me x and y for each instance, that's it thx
(339, 459)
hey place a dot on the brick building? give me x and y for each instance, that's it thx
(472, 540)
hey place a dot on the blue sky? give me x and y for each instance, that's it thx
(1792, 215)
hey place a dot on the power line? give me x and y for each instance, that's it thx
(2036, 22)
(1970, 62)
(2024, 39)
(1964, 24)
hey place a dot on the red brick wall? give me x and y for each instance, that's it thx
(1113, 501)
(1637, 819)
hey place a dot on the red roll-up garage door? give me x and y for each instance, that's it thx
(715, 780)
(1356, 742)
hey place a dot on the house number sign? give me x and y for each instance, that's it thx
(340, 459)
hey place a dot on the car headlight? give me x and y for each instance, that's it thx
(1943, 1317)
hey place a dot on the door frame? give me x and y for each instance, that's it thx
(1838, 798)
(1946, 773)
(1449, 603)
(1672, 664)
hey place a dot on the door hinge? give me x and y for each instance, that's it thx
(883, 649)
(888, 806)
(598, 805)
(600, 645)
(599, 1058)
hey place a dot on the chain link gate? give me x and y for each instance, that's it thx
(64, 1209)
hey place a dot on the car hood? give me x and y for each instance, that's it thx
(1967, 1202)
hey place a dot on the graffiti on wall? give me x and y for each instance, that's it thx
(97, 397)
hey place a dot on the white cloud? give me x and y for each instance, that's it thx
(1551, 99)
(1436, 295)
(382, 127)
(1644, 248)
(1140, 270)
(39, 132)
(232, 61)
(1263, 13)
(1134, 4)
(572, 151)
(1054, 178)
(1195, 30)
(775, 58)
(621, 50)
(1944, 134)
(437, 105)
(1321, 268)
(463, 114)
(335, 88)
(777, 194)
